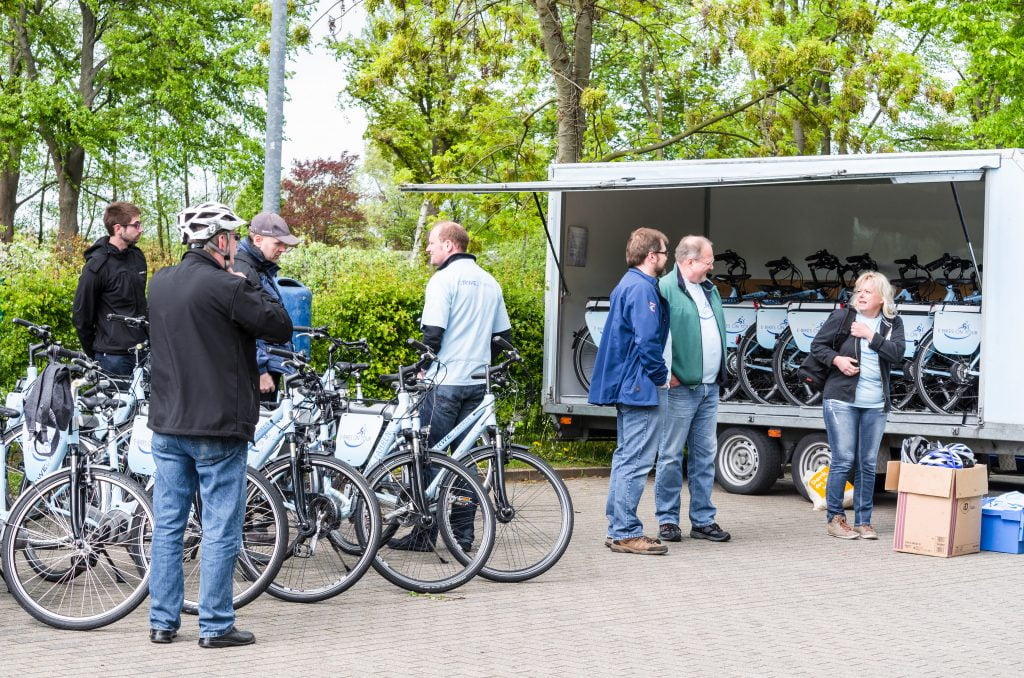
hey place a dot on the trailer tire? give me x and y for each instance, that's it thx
(748, 461)
(809, 455)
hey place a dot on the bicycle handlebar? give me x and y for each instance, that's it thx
(41, 331)
(130, 321)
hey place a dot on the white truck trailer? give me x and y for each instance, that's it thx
(889, 205)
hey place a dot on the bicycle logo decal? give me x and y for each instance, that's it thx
(356, 438)
(739, 325)
(964, 331)
(812, 333)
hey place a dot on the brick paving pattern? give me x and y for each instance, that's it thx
(780, 599)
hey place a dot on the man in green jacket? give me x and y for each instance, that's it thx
(690, 406)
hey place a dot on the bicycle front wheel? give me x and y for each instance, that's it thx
(103, 572)
(533, 513)
(335, 547)
(458, 509)
(264, 542)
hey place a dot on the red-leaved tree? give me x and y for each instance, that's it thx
(320, 203)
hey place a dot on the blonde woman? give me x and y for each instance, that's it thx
(856, 396)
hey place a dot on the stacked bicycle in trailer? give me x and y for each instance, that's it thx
(334, 482)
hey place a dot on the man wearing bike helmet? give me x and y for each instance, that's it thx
(204, 323)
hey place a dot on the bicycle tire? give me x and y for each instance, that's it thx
(264, 541)
(534, 530)
(347, 514)
(754, 367)
(732, 387)
(945, 383)
(584, 353)
(128, 525)
(786, 360)
(902, 386)
(14, 481)
(435, 569)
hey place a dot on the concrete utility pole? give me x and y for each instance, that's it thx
(275, 107)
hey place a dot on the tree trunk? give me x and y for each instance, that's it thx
(10, 177)
(570, 70)
(69, 185)
(427, 209)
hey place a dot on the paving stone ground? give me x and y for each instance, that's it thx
(780, 599)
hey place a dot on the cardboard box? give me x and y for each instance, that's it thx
(1002, 530)
(938, 511)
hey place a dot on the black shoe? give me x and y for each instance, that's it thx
(466, 546)
(233, 638)
(417, 541)
(670, 532)
(710, 532)
(162, 636)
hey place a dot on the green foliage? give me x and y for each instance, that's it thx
(38, 286)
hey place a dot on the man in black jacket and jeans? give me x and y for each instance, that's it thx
(204, 322)
(113, 280)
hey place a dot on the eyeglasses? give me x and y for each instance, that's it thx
(659, 251)
(134, 224)
(706, 262)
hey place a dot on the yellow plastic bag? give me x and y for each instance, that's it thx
(815, 483)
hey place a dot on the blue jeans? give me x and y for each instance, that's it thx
(216, 466)
(691, 418)
(118, 365)
(638, 433)
(854, 434)
(443, 410)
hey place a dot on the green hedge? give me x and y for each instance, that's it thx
(38, 285)
(356, 293)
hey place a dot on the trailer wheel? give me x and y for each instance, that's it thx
(810, 454)
(748, 461)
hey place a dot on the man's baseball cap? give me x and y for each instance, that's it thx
(268, 223)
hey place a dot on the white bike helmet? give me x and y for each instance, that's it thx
(200, 223)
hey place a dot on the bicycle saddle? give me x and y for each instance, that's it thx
(955, 282)
(915, 281)
(6, 413)
(732, 279)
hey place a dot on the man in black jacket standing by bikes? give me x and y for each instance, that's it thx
(204, 323)
(113, 280)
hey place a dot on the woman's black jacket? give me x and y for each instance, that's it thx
(890, 351)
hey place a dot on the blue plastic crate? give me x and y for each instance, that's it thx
(1002, 530)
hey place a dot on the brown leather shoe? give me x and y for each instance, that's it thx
(641, 545)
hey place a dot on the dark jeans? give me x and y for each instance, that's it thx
(118, 365)
(444, 409)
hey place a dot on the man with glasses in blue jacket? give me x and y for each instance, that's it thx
(628, 372)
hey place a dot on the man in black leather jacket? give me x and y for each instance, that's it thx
(113, 280)
(204, 322)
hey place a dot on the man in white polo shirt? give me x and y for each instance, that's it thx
(462, 312)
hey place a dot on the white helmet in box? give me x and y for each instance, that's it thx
(200, 223)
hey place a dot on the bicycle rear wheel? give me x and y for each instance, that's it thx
(946, 383)
(754, 366)
(786, 360)
(338, 544)
(534, 525)
(415, 559)
(104, 574)
(264, 542)
(584, 353)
